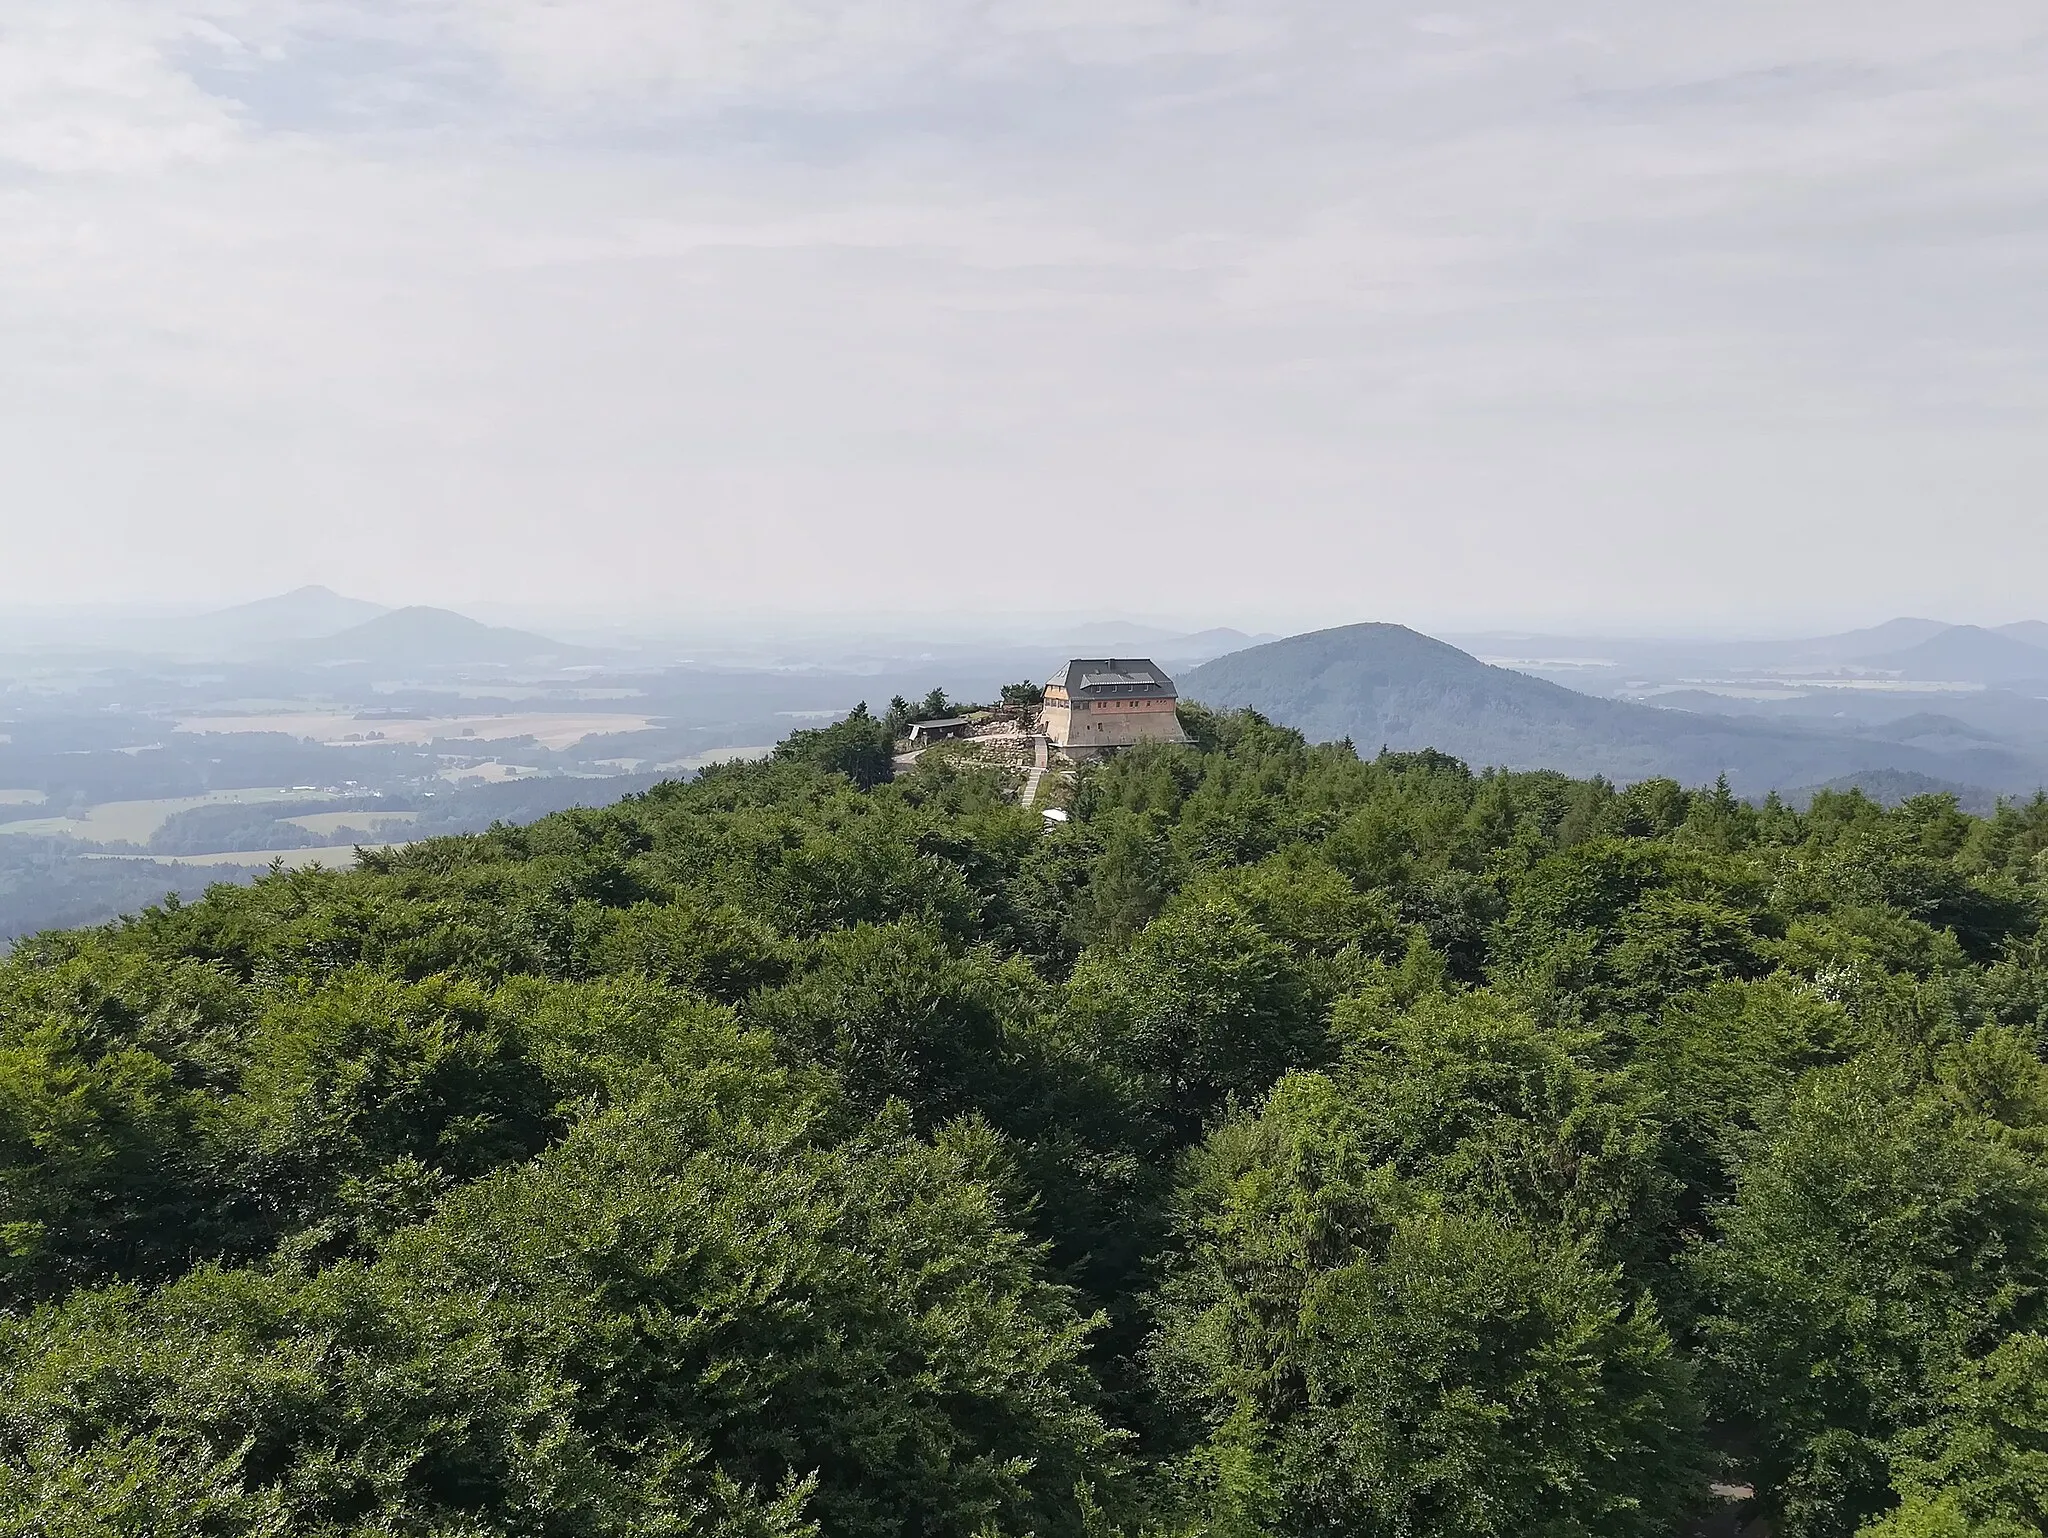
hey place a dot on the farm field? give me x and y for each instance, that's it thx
(20, 797)
(710, 756)
(327, 824)
(489, 772)
(471, 690)
(135, 821)
(334, 858)
(551, 729)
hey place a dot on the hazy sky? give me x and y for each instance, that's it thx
(1283, 311)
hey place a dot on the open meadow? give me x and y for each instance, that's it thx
(134, 822)
(551, 729)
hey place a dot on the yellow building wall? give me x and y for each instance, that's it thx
(1110, 723)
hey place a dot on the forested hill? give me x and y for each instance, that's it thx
(1286, 1145)
(1388, 685)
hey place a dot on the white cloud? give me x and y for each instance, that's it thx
(86, 88)
(1316, 308)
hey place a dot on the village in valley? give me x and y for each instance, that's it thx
(1094, 706)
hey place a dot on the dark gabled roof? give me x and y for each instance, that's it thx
(1116, 678)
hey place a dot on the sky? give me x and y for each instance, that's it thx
(1597, 314)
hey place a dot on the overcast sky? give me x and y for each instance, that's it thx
(1614, 312)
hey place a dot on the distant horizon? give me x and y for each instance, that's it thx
(770, 622)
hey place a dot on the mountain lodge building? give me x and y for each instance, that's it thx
(1110, 702)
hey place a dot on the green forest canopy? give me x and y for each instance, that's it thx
(1287, 1144)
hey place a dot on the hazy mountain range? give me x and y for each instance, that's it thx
(303, 614)
(426, 637)
(1386, 685)
(115, 723)
(1916, 701)
(1968, 654)
(316, 626)
(319, 626)
(1907, 649)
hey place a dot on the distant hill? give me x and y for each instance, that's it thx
(427, 637)
(1930, 729)
(1892, 635)
(2032, 631)
(1388, 685)
(1123, 638)
(1120, 637)
(1967, 654)
(1204, 645)
(303, 614)
(1888, 787)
